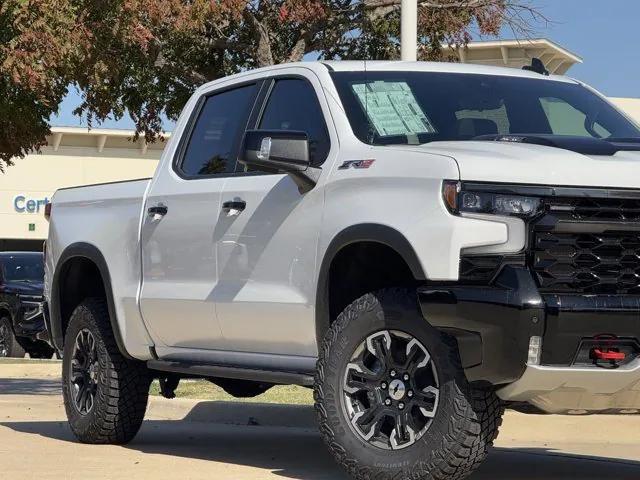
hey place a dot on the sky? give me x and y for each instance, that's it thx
(604, 33)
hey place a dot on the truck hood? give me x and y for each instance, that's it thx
(506, 162)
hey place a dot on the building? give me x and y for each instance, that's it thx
(76, 156)
(72, 157)
(518, 53)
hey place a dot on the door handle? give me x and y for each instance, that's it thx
(234, 207)
(158, 211)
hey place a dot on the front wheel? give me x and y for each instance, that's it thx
(105, 394)
(392, 399)
(9, 346)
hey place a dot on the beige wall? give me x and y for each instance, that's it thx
(38, 176)
(631, 106)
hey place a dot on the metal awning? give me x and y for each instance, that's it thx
(518, 53)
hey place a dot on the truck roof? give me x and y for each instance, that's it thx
(395, 66)
(442, 67)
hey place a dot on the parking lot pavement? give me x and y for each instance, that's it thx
(185, 439)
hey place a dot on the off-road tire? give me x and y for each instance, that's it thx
(466, 421)
(13, 348)
(122, 384)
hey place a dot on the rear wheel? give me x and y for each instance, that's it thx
(9, 346)
(105, 394)
(391, 396)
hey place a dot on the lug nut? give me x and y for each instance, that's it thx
(387, 402)
(406, 377)
(384, 385)
(392, 373)
(410, 393)
(401, 406)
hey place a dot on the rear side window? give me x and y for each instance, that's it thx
(214, 139)
(293, 105)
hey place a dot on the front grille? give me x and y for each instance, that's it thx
(605, 263)
(598, 209)
(588, 245)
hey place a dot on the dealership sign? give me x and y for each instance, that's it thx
(24, 204)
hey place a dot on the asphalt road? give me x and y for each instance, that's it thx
(184, 439)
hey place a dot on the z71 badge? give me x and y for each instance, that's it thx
(356, 164)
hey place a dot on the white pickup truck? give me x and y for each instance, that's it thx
(421, 243)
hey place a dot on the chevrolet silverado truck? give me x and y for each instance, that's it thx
(22, 328)
(423, 244)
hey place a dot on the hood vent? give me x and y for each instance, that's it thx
(582, 145)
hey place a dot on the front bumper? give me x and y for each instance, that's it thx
(31, 320)
(494, 324)
(578, 390)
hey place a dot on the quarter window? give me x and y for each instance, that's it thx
(293, 105)
(215, 136)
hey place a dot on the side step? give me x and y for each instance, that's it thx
(238, 373)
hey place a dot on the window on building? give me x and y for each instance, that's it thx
(216, 134)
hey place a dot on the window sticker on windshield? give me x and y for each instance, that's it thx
(392, 108)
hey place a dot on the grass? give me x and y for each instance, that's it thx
(204, 390)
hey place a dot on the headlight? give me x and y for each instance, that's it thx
(458, 200)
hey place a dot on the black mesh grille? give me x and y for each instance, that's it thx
(588, 245)
(605, 209)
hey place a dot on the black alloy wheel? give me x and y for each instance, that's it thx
(84, 371)
(6, 337)
(391, 390)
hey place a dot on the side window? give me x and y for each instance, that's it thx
(293, 105)
(215, 136)
(565, 119)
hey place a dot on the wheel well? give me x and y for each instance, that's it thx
(79, 279)
(359, 268)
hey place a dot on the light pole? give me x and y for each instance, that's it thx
(409, 30)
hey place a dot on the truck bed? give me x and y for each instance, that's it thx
(107, 217)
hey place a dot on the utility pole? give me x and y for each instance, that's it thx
(409, 31)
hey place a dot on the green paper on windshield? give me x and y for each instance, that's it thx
(392, 108)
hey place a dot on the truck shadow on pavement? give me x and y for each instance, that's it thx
(28, 386)
(257, 439)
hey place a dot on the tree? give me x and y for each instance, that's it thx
(145, 58)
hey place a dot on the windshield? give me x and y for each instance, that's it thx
(418, 107)
(23, 267)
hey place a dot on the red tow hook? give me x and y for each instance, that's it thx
(608, 355)
(606, 352)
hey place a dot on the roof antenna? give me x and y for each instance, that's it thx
(536, 66)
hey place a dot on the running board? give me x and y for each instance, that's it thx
(238, 373)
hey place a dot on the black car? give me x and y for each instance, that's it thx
(22, 327)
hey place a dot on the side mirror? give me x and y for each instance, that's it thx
(283, 151)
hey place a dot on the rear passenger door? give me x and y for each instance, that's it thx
(267, 253)
(180, 269)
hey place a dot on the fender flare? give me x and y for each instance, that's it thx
(362, 232)
(93, 254)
